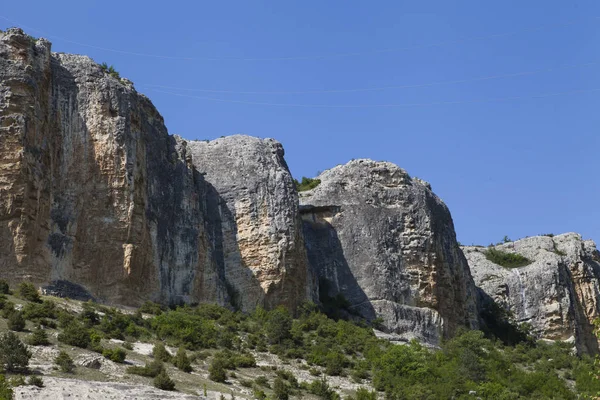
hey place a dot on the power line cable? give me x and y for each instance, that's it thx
(486, 100)
(309, 57)
(485, 78)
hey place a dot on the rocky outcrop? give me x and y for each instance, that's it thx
(98, 201)
(557, 294)
(387, 244)
(261, 247)
(92, 188)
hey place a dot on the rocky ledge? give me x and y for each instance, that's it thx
(557, 293)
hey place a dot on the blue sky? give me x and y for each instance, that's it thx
(494, 103)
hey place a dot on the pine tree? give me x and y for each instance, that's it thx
(64, 362)
(216, 371)
(182, 361)
(163, 382)
(4, 288)
(38, 337)
(16, 322)
(280, 389)
(14, 356)
(160, 352)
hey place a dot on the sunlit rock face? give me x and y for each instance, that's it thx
(256, 217)
(98, 201)
(387, 244)
(557, 293)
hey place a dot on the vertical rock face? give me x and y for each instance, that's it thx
(387, 244)
(97, 200)
(93, 190)
(262, 249)
(557, 293)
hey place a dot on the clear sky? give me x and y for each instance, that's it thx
(496, 104)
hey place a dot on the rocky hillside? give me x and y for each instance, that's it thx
(386, 243)
(556, 292)
(99, 201)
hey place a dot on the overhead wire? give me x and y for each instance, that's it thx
(484, 100)
(153, 87)
(439, 83)
(308, 57)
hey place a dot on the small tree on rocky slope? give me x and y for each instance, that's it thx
(14, 356)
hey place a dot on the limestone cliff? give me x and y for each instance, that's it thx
(387, 244)
(93, 190)
(557, 293)
(262, 248)
(97, 200)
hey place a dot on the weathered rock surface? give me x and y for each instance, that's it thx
(98, 201)
(255, 216)
(387, 244)
(92, 188)
(557, 293)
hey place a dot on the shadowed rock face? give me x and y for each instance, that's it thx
(92, 188)
(557, 293)
(262, 248)
(387, 244)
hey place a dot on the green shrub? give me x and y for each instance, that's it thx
(163, 381)
(246, 383)
(113, 72)
(334, 363)
(187, 327)
(245, 361)
(16, 322)
(159, 352)
(262, 381)
(38, 311)
(64, 318)
(64, 362)
(4, 288)
(216, 371)
(182, 361)
(75, 334)
(117, 325)
(38, 337)
(306, 184)
(8, 309)
(35, 380)
(278, 325)
(150, 307)
(27, 291)
(365, 394)
(89, 316)
(6, 392)
(280, 389)
(18, 380)
(14, 356)
(507, 260)
(150, 370)
(321, 388)
(117, 355)
(259, 394)
(110, 70)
